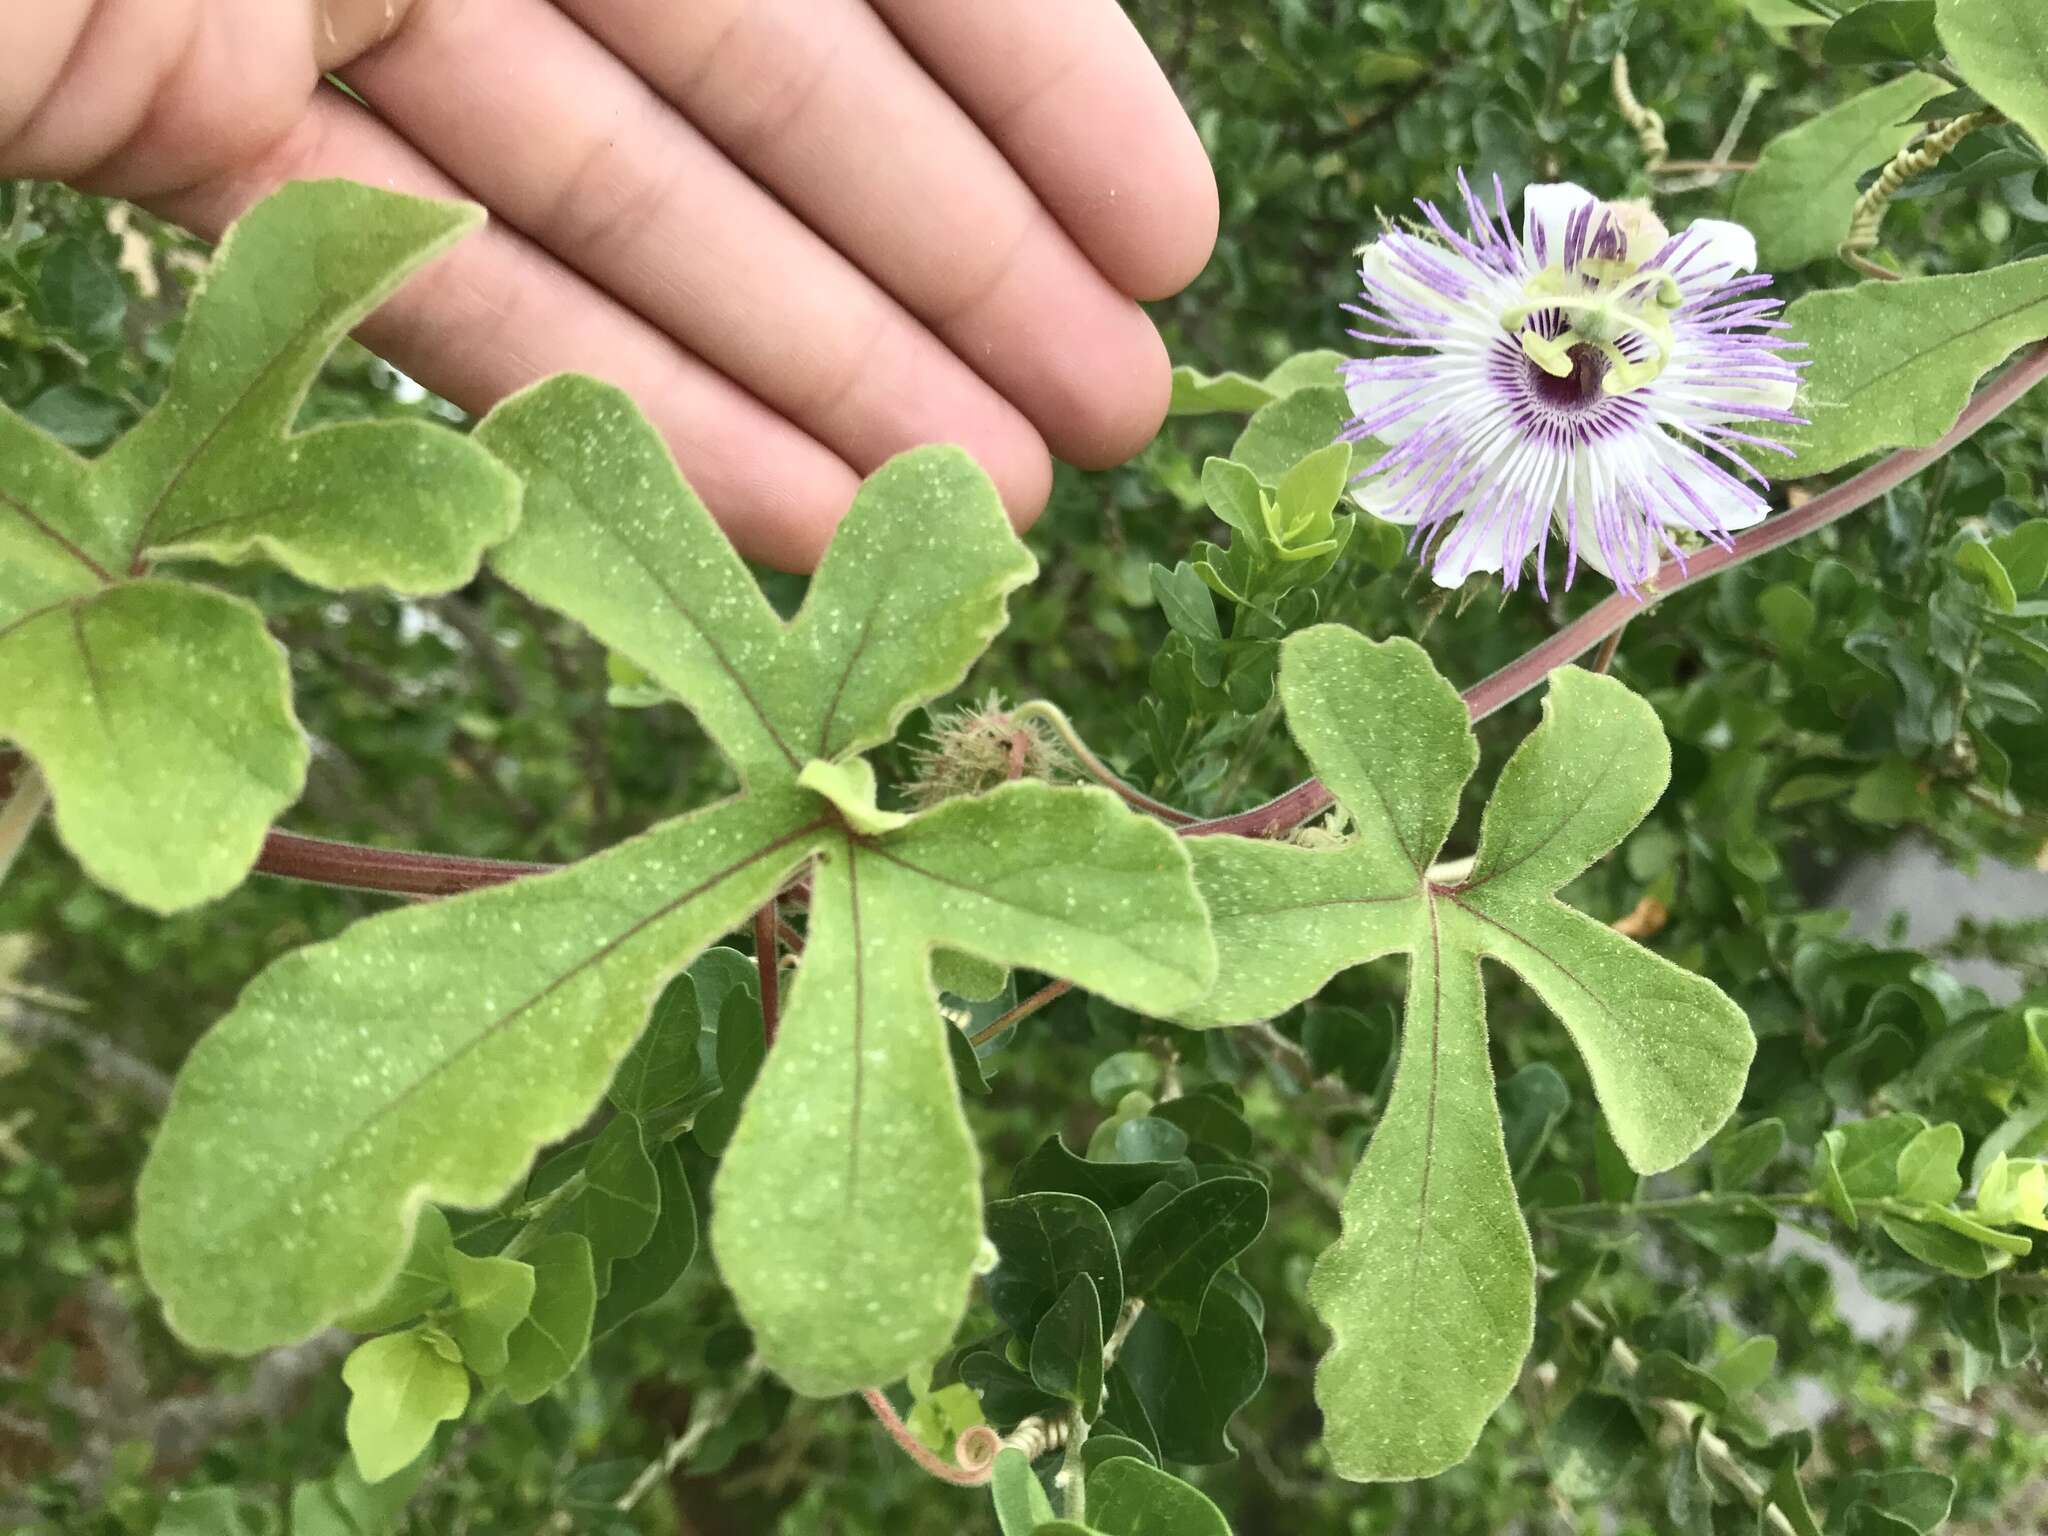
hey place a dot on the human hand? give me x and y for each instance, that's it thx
(804, 234)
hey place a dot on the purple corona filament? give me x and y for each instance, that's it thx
(1586, 375)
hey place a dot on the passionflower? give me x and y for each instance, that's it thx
(1592, 376)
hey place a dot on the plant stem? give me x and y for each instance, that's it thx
(1073, 1473)
(397, 871)
(766, 961)
(537, 1214)
(19, 815)
(1022, 1011)
(1612, 644)
(708, 1413)
(1094, 766)
(1711, 1449)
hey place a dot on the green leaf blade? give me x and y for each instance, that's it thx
(1433, 1248)
(1667, 1050)
(161, 716)
(2001, 46)
(1894, 363)
(426, 1054)
(1576, 786)
(847, 1213)
(1799, 198)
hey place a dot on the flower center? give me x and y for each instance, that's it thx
(1603, 295)
(1576, 389)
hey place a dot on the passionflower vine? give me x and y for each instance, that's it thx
(1587, 376)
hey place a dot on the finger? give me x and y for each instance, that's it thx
(584, 157)
(820, 103)
(1069, 92)
(497, 314)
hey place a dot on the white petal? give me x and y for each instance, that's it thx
(1371, 395)
(1468, 549)
(1549, 207)
(1716, 249)
(1734, 504)
(1385, 501)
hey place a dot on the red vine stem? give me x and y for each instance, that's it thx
(400, 872)
(945, 1471)
(766, 961)
(406, 873)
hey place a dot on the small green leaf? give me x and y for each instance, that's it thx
(1663, 1374)
(664, 1066)
(1789, 1495)
(1799, 199)
(422, 1280)
(1043, 1241)
(1185, 1388)
(1940, 1248)
(492, 1297)
(1592, 1446)
(1109, 1185)
(1126, 1071)
(742, 1046)
(1181, 1247)
(206, 1512)
(1066, 1347)
(1746, 1367)
(401, 1386)
(1930, 1171)
(1284, 433)
(1977, 560)
(556, 1330)
(620, 1201)
(1740, 1157)
(2013, 1193)
(1127, 1497)
(2024, 555)
(1918, 1499)
(1196, 393)
(1185, 601)
(649, 1275)
(2001, 46)
(1894, 363)
(1882, 32)
(1021, 1504)
(1532, 1103)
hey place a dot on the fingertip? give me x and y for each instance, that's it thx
(1117, 385)
(1156, 255)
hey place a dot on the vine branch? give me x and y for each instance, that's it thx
(408, 873)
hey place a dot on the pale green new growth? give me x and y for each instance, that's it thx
(1894, 363)
(400, 1387)
(1429, 1292)
(427, 1053)
(2001, 46)
(1799, 199)
(166, 708)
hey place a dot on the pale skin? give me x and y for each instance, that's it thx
(804, 234)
